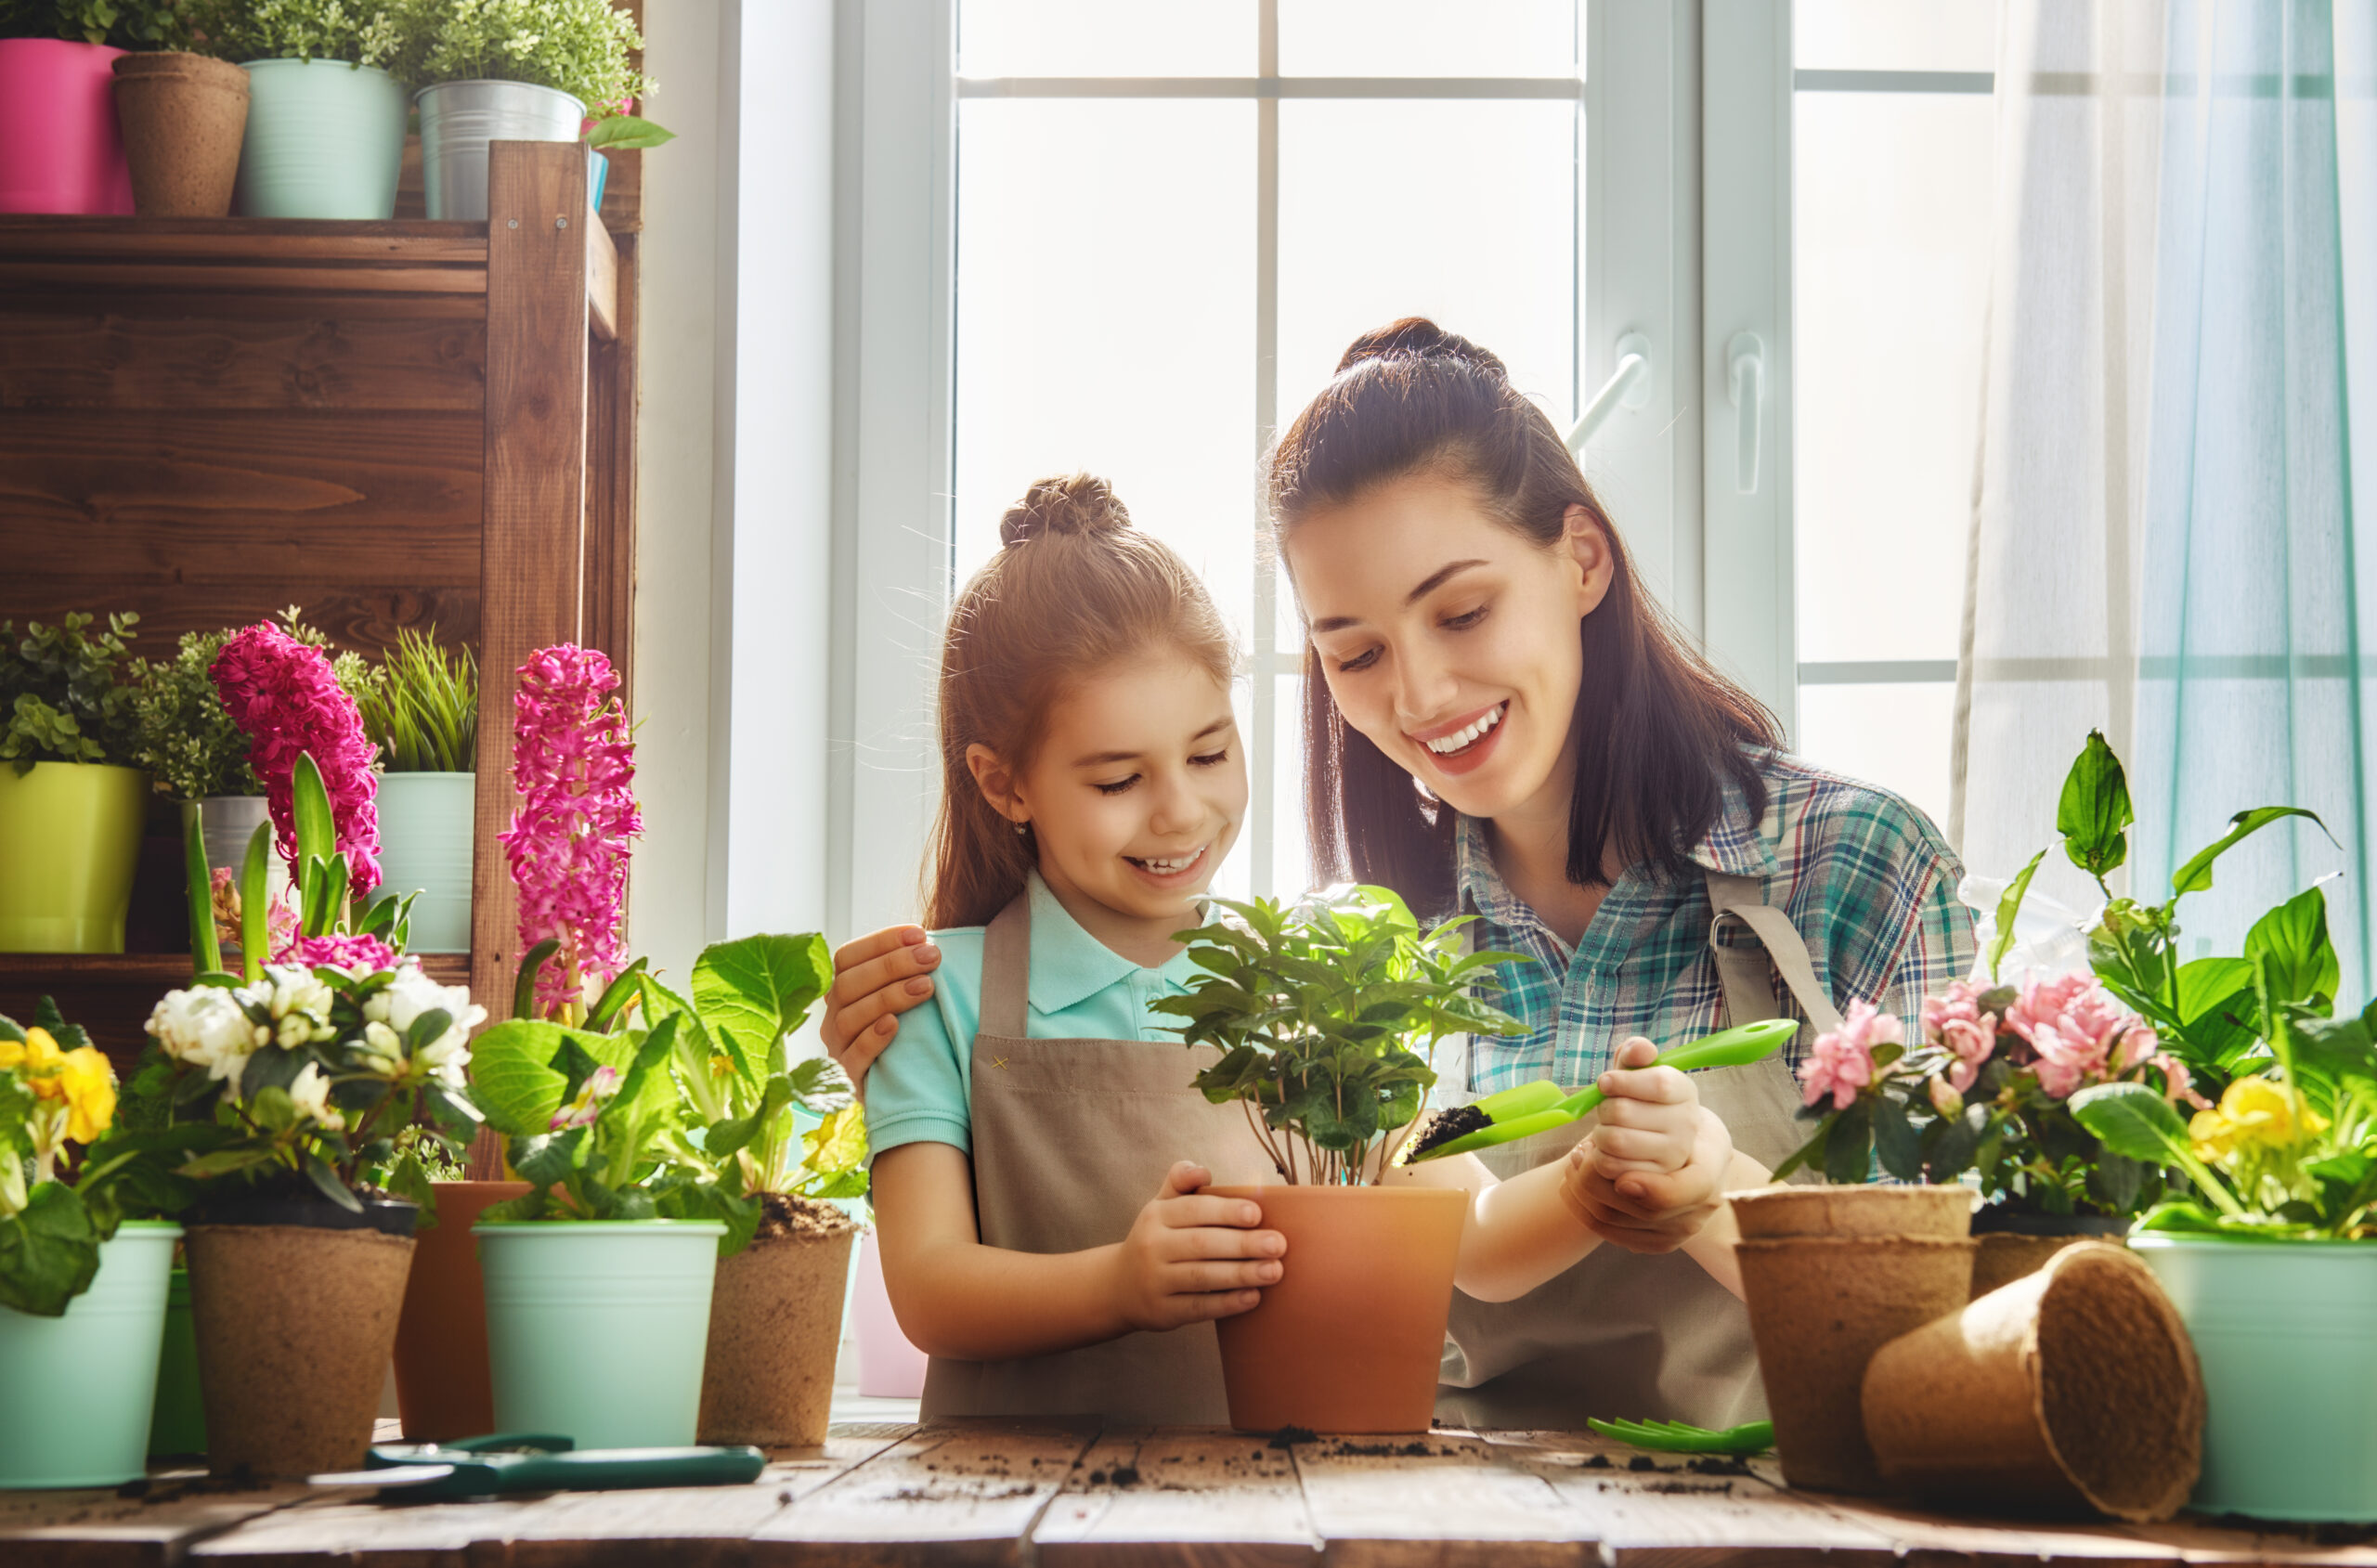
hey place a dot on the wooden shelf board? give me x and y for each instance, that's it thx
(160, 971)
(243, 255)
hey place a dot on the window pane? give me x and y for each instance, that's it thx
(1105, 320)
(1895, 35)
(1894, 736)
(1107, 38)
(1428, 38)
(1890, 271)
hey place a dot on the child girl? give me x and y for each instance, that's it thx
(1039, 1153)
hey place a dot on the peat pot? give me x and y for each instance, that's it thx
(184, 117)
(563, 1297)
(69, 837)
(325, 139)
(442, 1389)
(60, 150)
(1831, 1274)
(294, 1302)
(776, 1327)
(1351, 1338)
(427, 825)
(458, 121)
(78, 1389)
(2016, 1246)
(2289, 1348)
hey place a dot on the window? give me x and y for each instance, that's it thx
(1892, 175)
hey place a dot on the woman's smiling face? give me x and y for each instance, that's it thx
(1451, 640)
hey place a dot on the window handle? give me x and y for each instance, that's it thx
(1628, 387)
(1745, 382)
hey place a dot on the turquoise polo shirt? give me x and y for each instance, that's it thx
(921, 1090)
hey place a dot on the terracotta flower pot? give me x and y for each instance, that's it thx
(442, 1389)
(1351, 1337)
(1885, 1262)
(295, 1322)
(184, 117)
(2072, 1388)
(776, 1327)
(2014, 1246)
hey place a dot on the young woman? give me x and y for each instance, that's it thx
(1507, 726)
(1092, 785)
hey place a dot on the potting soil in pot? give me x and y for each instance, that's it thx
(776, 1327)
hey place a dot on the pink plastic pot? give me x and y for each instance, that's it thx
(889, 1366)
(60, 148)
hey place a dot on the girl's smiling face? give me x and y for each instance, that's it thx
(1450, 640)
(1134, 795)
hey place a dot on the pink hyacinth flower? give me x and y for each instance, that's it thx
(358, 955)
(1842, 1062)
(572, 766)
(284, 694)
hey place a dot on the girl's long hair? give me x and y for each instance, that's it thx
(1075, 589)
(1656, 728)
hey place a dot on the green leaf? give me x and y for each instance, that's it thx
(2094, 812)
(759, 989)
(256, 938)
(309, 810)
(2007, 908)
(1849, 1153)
(206, 952)
(2133, 1120)
(2302, 960)
(624, 131)
(1894, 1139)
(2196, 875)
(49, 1251)
(513, 1081)
(524, 990)
(614, 998)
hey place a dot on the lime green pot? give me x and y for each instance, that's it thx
(177, 1421)
(599, 1331)
(2289, 1347)
(78, 1389)
(70, 836)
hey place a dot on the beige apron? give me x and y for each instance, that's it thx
(1624, 1334)
(1072, 1139)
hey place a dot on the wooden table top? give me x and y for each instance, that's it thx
(1074, 1496)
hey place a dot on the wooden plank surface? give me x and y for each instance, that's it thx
(956, 1494)
(1142, 1499)
(611, 480)
(1387, 1502)
(89, 353)
(296, 242)
(148, 1526)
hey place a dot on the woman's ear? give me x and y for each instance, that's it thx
(997, 781)
(1596, 561)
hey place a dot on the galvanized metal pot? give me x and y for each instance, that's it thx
(458, 121)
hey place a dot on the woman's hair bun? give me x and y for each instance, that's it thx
(1416, 337)
(1072, 504)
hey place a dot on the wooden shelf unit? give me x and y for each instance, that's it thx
(385, 424)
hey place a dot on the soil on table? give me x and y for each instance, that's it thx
(783, 1217)
(1444, 1126)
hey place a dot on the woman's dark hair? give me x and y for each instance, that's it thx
(1656, 728)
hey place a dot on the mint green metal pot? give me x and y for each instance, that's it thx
(177, 1422)
(77, 1390)
(2287, 1336)
(427, 826)
(599, 1330)
(325, 140)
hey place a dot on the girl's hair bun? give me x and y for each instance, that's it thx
(1416, 337)
(1071, 505)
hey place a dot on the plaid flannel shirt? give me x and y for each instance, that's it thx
(1866, 877)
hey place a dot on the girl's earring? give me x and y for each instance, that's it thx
(1022, 829)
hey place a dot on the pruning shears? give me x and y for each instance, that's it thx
(1539, 1107)
(1675, 1437)
(525, 1461)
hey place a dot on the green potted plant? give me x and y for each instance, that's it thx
(423, 712)
(71, 804)
(60, 148)
(776, 1310)
(1325, 1024)
(325, 133)
(512, 70)
(82, 1283)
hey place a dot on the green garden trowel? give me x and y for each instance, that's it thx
(1538, 1107)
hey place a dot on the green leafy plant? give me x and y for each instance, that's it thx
(124, 24)
(349, 32)
(1318, 1015)
(620, 132)
(581, 47)
(423, 710)
(189, 744)
(63, 697)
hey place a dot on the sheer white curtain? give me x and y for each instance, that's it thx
(2164, 541)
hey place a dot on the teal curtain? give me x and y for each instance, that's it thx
(2257, 622)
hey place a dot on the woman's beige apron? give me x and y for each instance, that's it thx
(1623, 1334)
(1072, 1139)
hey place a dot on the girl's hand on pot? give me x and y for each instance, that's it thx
(876, 978)
(1192, 1256)
(1643, 1209)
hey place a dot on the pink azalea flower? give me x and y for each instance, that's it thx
(1956, 1020)
(284, 694)
(358, 955)
(2177, 1082)
(1842, 1062)
(2080, 1032)
(574, 767)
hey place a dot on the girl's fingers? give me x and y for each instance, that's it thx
(1203, 1209)
(875, 944)
(1198, 1308)
(1220, 1241)
(867, 1024)
(901, 971)
(1655, 1085)
(1201, 1278)
(1657, 1150)
(1185, 1177)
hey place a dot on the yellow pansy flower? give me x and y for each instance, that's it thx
(37, 1056)
(88, 1083)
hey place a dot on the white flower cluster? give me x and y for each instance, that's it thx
(389, 1018)
(211, 1027)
